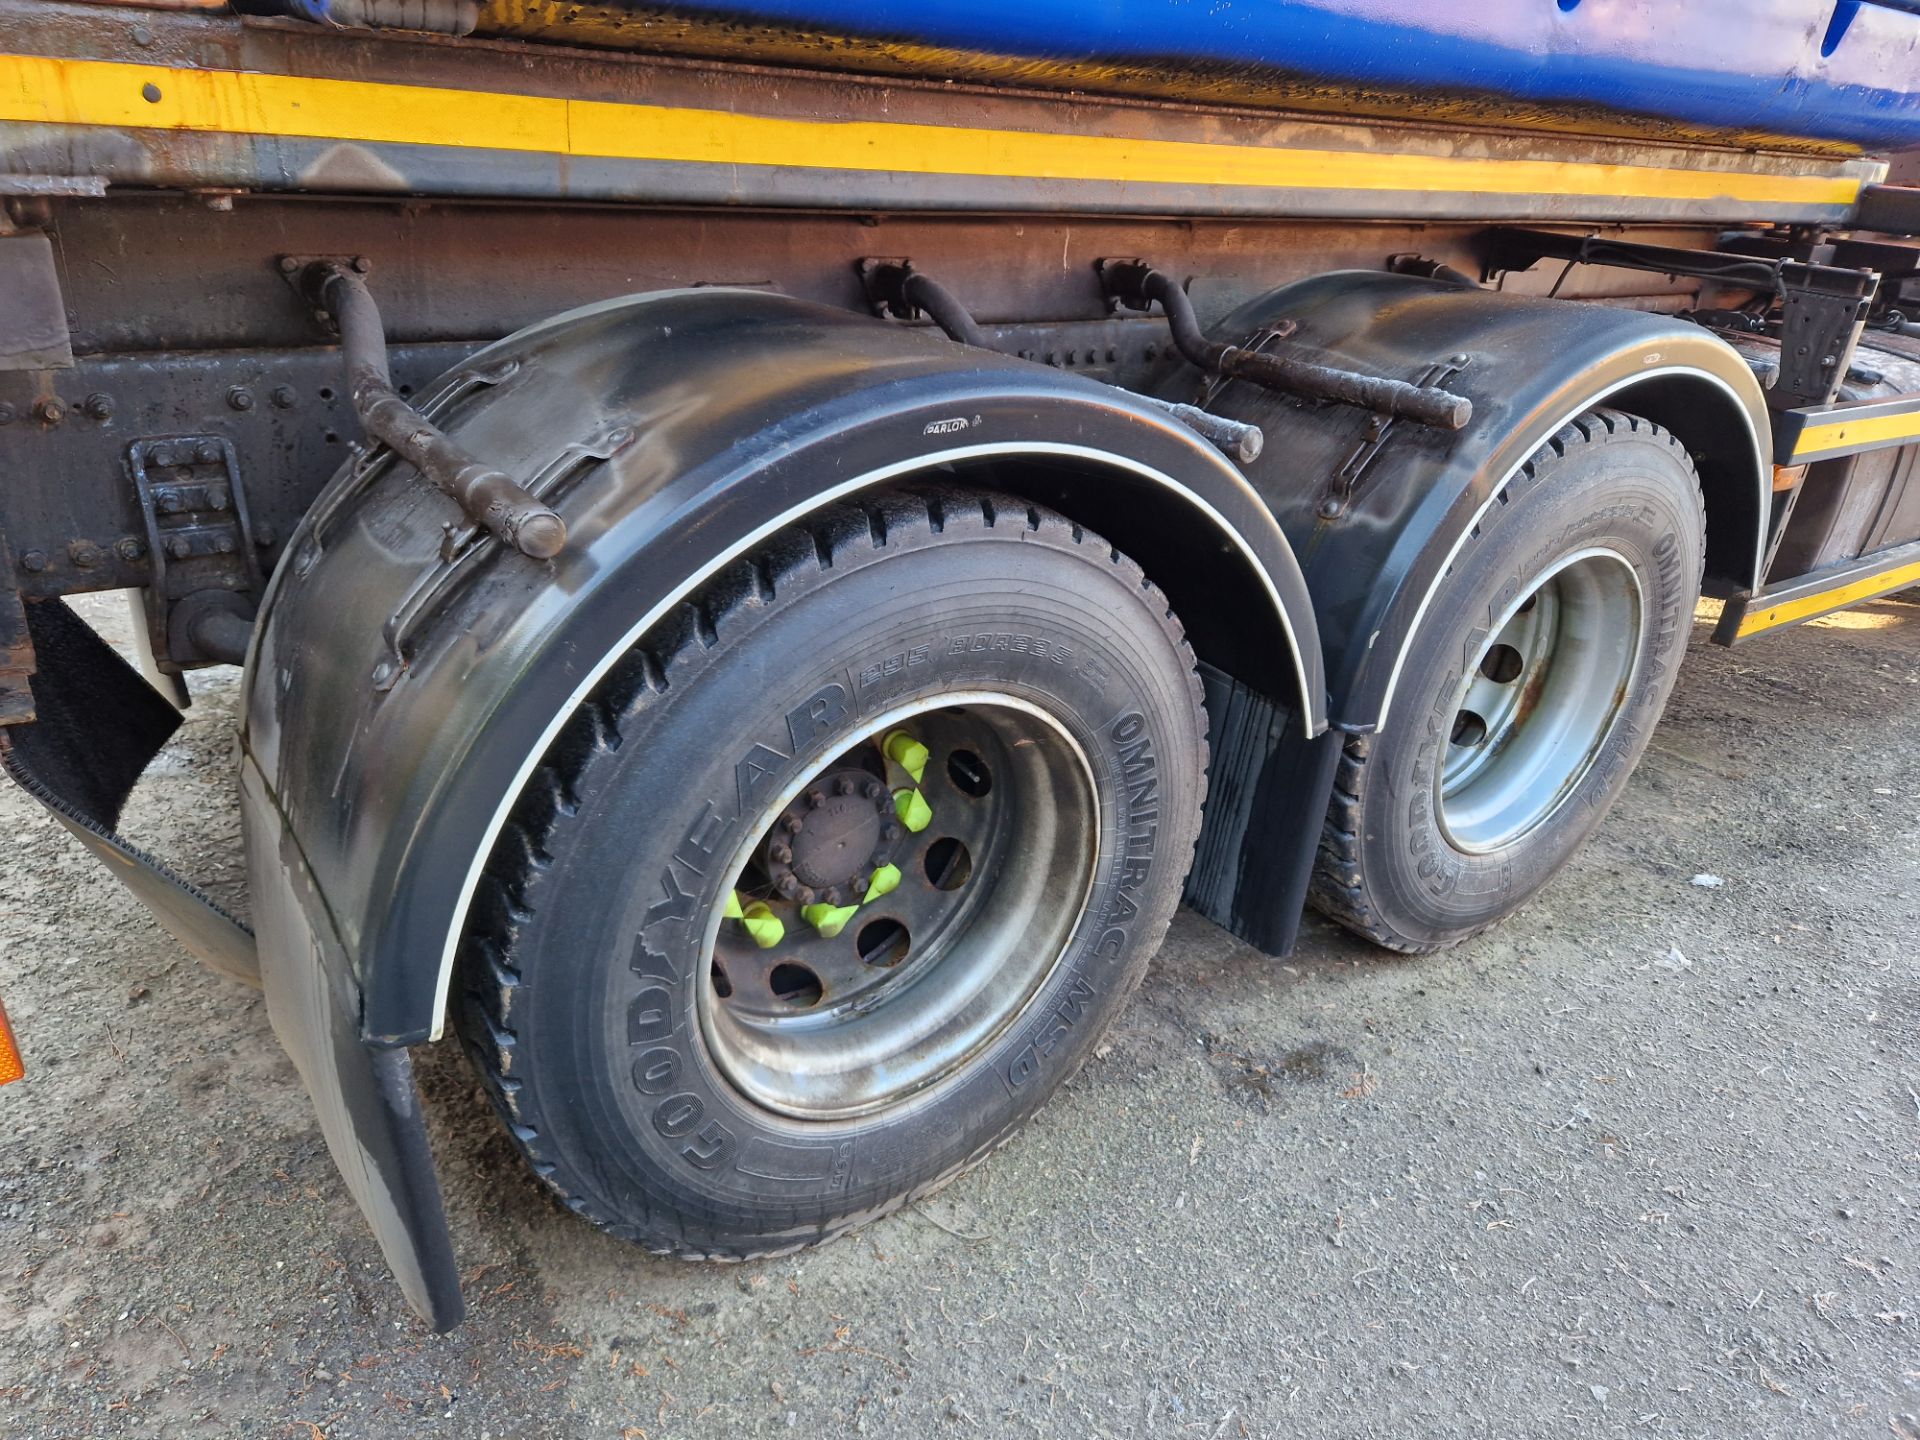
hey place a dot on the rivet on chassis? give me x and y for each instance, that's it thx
(34, 561)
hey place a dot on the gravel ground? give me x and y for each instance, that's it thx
(1646, 1161)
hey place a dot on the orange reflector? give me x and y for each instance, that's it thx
(11, 1065)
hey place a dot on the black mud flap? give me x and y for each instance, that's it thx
(364, 1095)
(1267, 791)
(97, 725)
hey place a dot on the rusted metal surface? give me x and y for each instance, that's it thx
(1138, 285)
(488, 496)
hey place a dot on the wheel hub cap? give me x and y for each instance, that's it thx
(900, 908)
(1541, 700)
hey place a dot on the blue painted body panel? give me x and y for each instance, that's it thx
(1830, 70)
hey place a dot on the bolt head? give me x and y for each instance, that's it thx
(283, 397)
(171, 503)
(207, 452)
(179, 547)
(361, 265)
(50, 410)
(288, 264)
(224, 544)
(7, 415)
(240, 398)
(217, 498)
(85, 554)
(100, 406)
(34, 561)
(128, 548)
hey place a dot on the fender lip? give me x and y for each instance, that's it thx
(752, 410)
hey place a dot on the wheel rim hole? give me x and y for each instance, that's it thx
(795, 985)
(1526, 605)
(1469, 728)
(1501, 664)
(883, 943)
(949, 864)
(968, 774)
(722, 986)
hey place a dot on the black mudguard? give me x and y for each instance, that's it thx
(408, 673)
(1374, 511)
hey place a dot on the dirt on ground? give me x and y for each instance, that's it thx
(1645, 1161)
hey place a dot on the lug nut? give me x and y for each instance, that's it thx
(792, 824)
(787, 886)
(805, 895)
(875, 790)
(816, 797)
(890, 832)
(779, 854)
(847, 786)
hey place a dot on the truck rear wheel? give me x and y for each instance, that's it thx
(839, 875)
(1532, 686)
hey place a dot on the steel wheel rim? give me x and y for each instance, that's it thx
(822, 1023)
(1540, 700)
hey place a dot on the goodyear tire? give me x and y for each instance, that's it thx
(1530, 690)
(839, 875)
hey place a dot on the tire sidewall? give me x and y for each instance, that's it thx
(1629, 493)
(645, 1108)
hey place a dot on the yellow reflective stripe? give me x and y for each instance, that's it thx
(91, 92)
(1808, 606)
(1838, 434)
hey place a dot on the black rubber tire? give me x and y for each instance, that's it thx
(576, 921)
(1386, 868)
